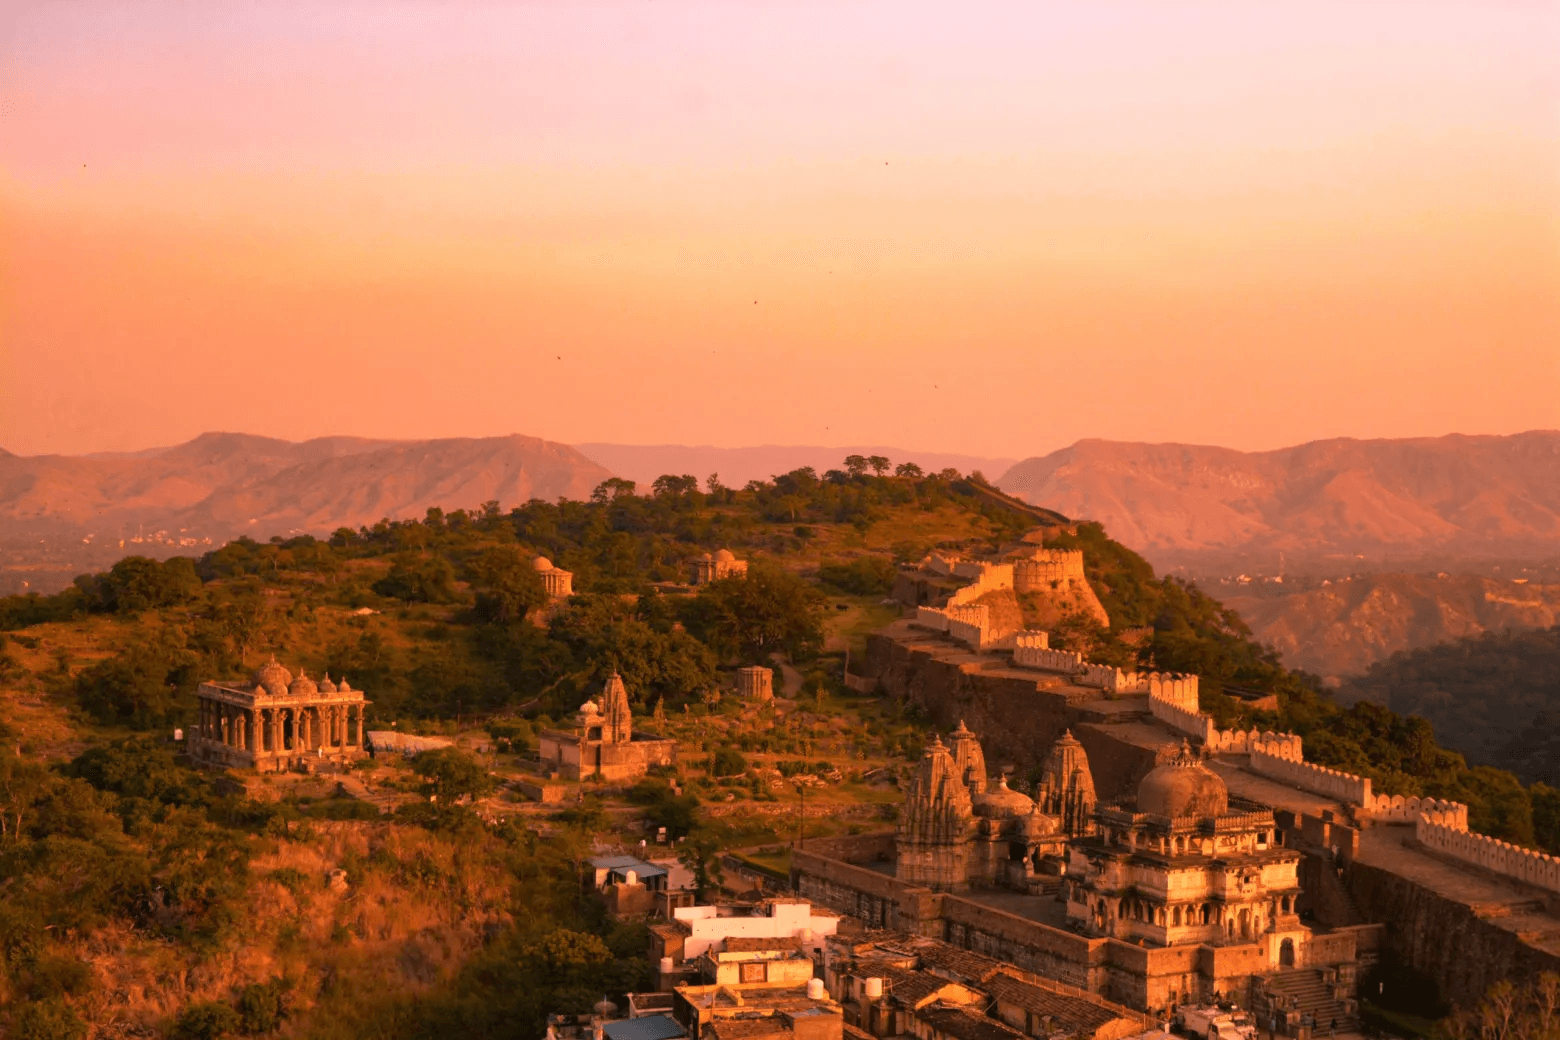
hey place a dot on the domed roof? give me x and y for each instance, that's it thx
(705, 556)
(302, 686)
(342, 686)
(542, 563)
(724, 556)
(1181, 787)
(272, 677)
(589, 708)
(326, 686)
(1003, 802)
(1038, 825)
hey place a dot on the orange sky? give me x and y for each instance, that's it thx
(981, 228)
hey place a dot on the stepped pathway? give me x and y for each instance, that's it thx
(1304, 990)
(385, 801)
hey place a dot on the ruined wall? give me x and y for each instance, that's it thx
(1344, 787)
(1447, 940)
(1525, 865)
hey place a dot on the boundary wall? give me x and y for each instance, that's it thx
(1179, 690)
(1389, 808)
(1240, 742)
(1039, 567)
(1534, 868)
(1345, 787)
(1192, 723)
(1047, 660)
(984, 578)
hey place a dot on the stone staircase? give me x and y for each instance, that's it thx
(1306, 992)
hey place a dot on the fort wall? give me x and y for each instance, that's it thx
(1513, 861)
(1464, 948)
(1047, 660)
(1344, 787)
(1389, 808)
(1192, 723)
(984, 578)
(1040, 567)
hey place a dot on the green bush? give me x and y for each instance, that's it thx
(728, 762)
(864, 576)
(206, 1020)
(51, 1019)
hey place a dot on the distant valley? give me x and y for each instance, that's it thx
(1341, 628)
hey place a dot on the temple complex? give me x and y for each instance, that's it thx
(602, 741)
(276, 722)
(558, 582)
(722, 564)
(958, 831)
(1188, 864)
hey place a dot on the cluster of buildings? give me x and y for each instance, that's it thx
(781, 969)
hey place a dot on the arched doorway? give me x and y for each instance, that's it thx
(1286, 954)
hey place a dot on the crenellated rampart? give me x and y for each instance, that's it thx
(1243, 742)
(984, 578)
(1395, 808)
(1191, 723)
(1175, 688)
(1045, 659)
(1513, 861)
(1344, 787)
(1040, 567)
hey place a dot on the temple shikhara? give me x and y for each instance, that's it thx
(602, 741)
(276, 722)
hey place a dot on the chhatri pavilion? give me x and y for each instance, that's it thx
(275, 722)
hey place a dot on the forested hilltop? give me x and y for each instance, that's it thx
(142, 897)
(1495, 697)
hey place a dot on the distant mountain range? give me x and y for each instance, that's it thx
(1341, 628)
(61, 515)
(1323, 504)
(642, 463)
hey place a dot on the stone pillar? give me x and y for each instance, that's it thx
(226, 736)
(340, 713)
(358, 739)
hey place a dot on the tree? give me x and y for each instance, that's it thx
(750, 616)
(700, 853)
(418, 579)
(507, 584)
(908, 469)
(612, 489)
(450, 773)
(878, 463)
(856, 465)
(669, 486)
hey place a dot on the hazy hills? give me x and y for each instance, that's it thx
(1211, 510)
(60, 515)
(642, 463)
(1345, 626)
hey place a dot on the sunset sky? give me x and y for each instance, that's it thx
(987, 228)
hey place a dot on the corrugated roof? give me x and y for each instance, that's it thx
(625, 863)
(1070, 1013)
(646, 1027)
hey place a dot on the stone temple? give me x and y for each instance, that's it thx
(714, 566)
(276, 722)
(602, 741)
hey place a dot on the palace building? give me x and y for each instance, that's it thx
(276, 722)
(722, 564)
(558, 582)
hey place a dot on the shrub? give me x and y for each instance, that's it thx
(206, 1020)
(728, 762)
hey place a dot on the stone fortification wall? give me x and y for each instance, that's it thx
(1192, 723)
(1525, 865)
(1047, 660)
(970, 624)
(1394, 808)
(984, 578)
(1243, 742)
(1344, 787)
(1174, 688)
(1030, 640)
(931, 618)
(1453, 942)
(1040, 567)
